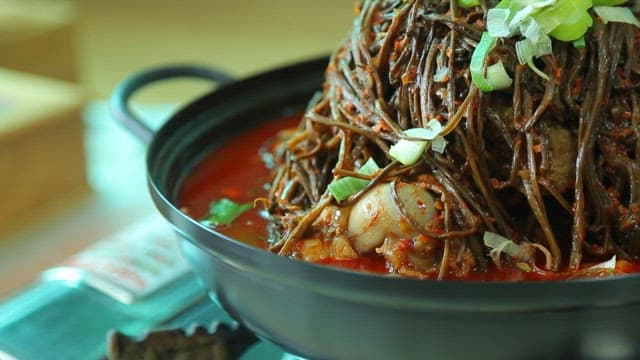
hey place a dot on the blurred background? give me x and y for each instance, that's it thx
(68, 175)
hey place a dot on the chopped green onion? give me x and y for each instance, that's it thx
(429, 132)
(609, 264)
(408, 151)
(524, 251)
(521, 16)
(544, 45)
(438, 144)
(574, 27)
(478, 59)
(524, 50)
(224, 212)
(468, 3)
(498, 76)
(569, 13)
(616, 14)
(543, 3)
(582, 4)
(504, 4)
(608, 2)
(346, 186)
(535, 69)
(580, 43)
(548, 21)
(605, 268)
(501, 244)
(527, 50)
(537, 21)
(498, 22)
(532, 30)
(370, 167)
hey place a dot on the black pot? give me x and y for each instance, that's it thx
(328, 313)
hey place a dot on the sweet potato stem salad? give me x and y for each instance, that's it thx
(457, 139)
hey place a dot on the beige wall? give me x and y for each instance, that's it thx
(117, 37)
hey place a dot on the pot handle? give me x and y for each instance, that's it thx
(119, 102)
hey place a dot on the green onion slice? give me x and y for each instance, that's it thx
(521, 15)
(346, 186)
(605, 268)
(468, 3)
(527, 50)
(523, 252)
(498, 76)
(580, 43)
(609, 264)
(498, 22)
(224, 212)
(439, 144)
(369, 168)
(409, 150)
(501, 244)
(574, 27)
(486, 44)
(537, 21)
(616, 14)
(429, 132)
(608, 2)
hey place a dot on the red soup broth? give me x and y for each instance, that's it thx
(236, 171)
